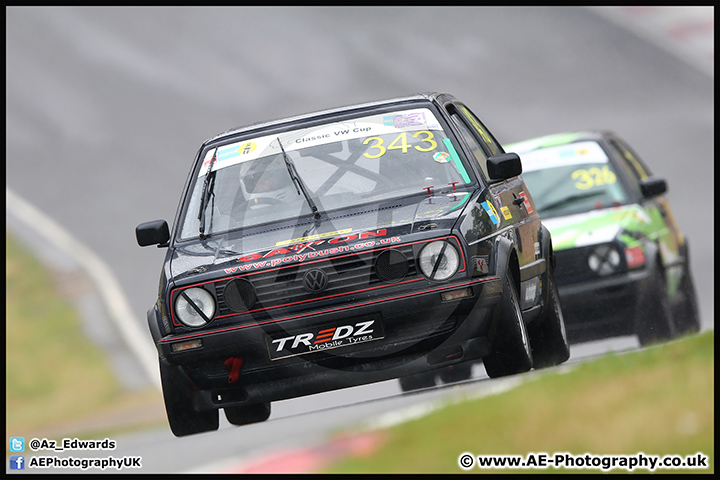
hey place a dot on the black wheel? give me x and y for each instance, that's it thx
(182, 417)
(654, 322)
(417, 381)
(511, 352)
(687, 318)
(547, 336)
(456, 373)
(248, 414)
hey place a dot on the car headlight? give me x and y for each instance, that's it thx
(604, 260)
(195, 307)
(439, 260)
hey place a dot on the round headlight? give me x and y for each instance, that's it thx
(195, 307)
(604, 260)
(439, 260)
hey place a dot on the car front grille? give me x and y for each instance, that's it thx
(303, 282)
(571, 266)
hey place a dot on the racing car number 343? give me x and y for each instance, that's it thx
(361, 244)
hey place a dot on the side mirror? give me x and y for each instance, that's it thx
(653, 186)
(153, 233)
(504, 166)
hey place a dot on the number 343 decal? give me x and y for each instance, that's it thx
(377, 149)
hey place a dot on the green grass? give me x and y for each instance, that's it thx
(56, 380)
(658, 401)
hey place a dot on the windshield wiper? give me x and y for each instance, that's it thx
(207, 190)
(299, 185)
(571, 199)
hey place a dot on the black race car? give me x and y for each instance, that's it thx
(623, 264)
(386, 240)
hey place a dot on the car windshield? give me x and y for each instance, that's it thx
(339, 165)
(571, 178)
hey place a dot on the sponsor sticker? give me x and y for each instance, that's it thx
(318, 339)
(506, 213)
(315, 237)
(528, 205)
(482, 263)
(442, 157)
(492, 213)
(414, 119)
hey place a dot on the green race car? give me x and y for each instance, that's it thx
(622, 263)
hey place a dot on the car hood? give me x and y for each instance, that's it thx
(597, 226)
(348, 230)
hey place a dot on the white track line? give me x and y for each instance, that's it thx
(101, 275)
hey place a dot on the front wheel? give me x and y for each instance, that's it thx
(547, 336)
(654, 318)
(511, 352)
(687, 319)
(182, 417)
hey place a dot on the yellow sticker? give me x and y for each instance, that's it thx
(506, 213)
(246, 148)
(315, 237)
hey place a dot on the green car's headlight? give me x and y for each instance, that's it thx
(604, 260)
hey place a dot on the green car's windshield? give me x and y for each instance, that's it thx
(341, 164)
(571, 178)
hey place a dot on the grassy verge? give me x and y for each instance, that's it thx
(659, 401)
(56, 380)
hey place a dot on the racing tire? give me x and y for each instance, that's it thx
(548, 337)
(687, 318)
(510, 353)
(247, 414)
(182, 417)
(456, 373)
(417, 381)
(654, 322)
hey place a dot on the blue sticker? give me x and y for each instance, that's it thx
(490, 209)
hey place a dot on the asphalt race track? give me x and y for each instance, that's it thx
(106, 108)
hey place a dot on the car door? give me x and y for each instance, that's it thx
(510, 198)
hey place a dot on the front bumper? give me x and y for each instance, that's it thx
(602, 308)
(419, 332)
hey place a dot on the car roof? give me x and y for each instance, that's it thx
(556, 139)
(426, 96)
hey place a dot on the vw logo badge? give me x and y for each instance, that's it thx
(315, 281)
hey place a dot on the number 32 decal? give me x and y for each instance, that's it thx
(400, 143)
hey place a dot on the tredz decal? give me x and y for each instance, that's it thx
(325, 338)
